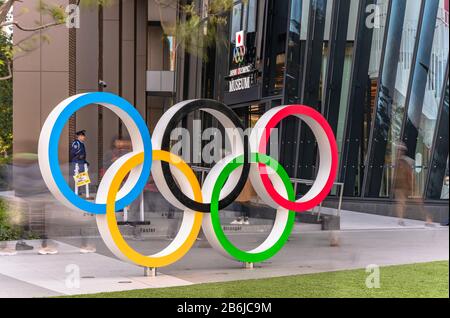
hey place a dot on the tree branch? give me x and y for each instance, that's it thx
(32, 29)
(9, 76)
(5, 8)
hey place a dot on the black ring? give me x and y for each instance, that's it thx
(165, 145)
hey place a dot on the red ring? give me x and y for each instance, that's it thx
(273, 122)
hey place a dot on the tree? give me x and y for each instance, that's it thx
(55, 14)
(198, 30)
(8, 52)
(195, 32)
(5, 99)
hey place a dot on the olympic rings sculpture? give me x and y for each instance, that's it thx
(239, 54)
(177, 182)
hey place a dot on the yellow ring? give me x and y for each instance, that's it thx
(122, 245)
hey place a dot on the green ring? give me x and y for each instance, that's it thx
(238, 254)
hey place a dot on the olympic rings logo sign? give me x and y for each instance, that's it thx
(239, 54)
(177, 182)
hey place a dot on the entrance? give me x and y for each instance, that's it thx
(251, 113)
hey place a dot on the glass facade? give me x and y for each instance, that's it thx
(368, 49)
(439, 155)
(275, 42)
(432, 98)
(377, 70)
(361, 64)
(295, 52)
(399, 65)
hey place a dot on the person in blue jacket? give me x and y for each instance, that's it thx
(78, 154)
(78, 151)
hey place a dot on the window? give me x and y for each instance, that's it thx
(244, 18)
(274, 66)
(236, 22)
(252, 10)
(363, 88)
(435, 78)
(399, 92)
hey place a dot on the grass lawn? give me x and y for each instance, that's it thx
(416, 280)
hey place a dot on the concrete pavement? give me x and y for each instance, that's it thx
(31, 275)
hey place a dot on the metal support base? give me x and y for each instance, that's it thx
(248, 266)
(150, 271)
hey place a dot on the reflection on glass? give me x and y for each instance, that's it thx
(403, 70)
(379, 27)
(445, 187)
(171, 42)
(325, 50)
(279, 72)
(250, 114)
(346, 77)
(377, 48)
(276, 48)
(344, 97)
(252, 7)
(433, 92)
(295, 48)
(236, 21)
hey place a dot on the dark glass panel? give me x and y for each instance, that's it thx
(364, 79)
(392, 94)
(427, 82)
(275, 56)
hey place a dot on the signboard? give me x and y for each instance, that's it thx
(243, 74)
(82, 179)
(239, 84)
(240, 39)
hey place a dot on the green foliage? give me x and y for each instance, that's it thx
(8, 232)
(200, 29)
(98, 2)
(53, 15)
(428, 280)
(11, 224)
(5, 100)
(57, 13)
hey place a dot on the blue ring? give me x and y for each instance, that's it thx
(71, 108)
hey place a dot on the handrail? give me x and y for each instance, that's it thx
(295, 181)
(311, 182)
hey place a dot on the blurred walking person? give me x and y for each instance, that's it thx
(79, 164)
(244, 199)
(29, 185)
(403, 185)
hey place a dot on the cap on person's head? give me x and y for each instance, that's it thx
(81, 133)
